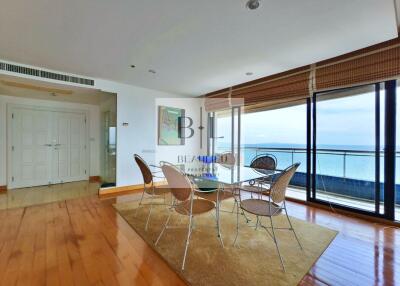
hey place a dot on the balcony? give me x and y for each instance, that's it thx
(344, 177)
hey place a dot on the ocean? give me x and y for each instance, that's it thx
(348, 161)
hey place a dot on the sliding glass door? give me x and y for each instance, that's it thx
(348, 148)
(345, 140)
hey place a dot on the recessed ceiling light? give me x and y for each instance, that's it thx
(252, 4)
(133, 66)
(152, 71)
(249, 73)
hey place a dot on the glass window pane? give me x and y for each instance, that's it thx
(281, 132)
(223, 131)
(345, 147)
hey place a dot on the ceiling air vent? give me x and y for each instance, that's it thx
(45, 74)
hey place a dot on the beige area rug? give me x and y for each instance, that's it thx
(253, 261)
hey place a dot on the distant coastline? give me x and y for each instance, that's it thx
(302, 146)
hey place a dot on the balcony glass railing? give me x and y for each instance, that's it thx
(340, 173)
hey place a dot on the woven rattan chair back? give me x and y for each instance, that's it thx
(144, 169)
(264, 162)
(278, 190)
(178, 183)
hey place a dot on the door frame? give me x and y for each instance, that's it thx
(12, 106)
(211, 127)
(389, 151)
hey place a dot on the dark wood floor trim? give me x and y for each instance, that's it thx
(3, 189)
(115, 193)
(119, 191)
(95, 179)
(124, 190)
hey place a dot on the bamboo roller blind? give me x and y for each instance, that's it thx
(369, 65)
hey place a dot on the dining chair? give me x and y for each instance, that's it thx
(184, 203)
(264, 164)
(274, 206)
(149, 186)
(264, 161)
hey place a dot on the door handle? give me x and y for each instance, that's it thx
(57, 145)
(47, 145)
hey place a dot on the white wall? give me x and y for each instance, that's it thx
(138, 107)
(94, 127)
(135, 106)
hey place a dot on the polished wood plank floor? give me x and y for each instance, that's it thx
(24, 197)
(85, 242)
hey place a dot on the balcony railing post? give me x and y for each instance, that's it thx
(344, 164)
(292, 156)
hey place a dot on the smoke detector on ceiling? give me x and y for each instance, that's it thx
(252, 4)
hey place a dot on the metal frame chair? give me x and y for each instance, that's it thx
(149, 187)
(184, 203)
(274, 206)
(261, 162)
(257, 161)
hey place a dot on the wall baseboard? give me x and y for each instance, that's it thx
(124, 190)
(95, 179)
(3, 189)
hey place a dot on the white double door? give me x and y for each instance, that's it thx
(47, 147)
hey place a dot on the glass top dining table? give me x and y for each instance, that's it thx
(213, 177)
(223, 174)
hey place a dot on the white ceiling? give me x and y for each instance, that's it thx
(195, 46)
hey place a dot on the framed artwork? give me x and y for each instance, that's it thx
(169, 127)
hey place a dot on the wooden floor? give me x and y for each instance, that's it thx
(46, 194)
(85, 242)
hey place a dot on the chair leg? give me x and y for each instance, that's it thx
(237, 201)
(187, 241)
(245, 216)
(217, 209)
(148, 217)
(292, 229)
(164, 228)
(276, 243)
(140, 203)
(237, 224)
(257, 222)
(234, 204)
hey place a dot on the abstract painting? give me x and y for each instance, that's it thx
(169, 124)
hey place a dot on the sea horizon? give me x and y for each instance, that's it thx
(358, 166)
